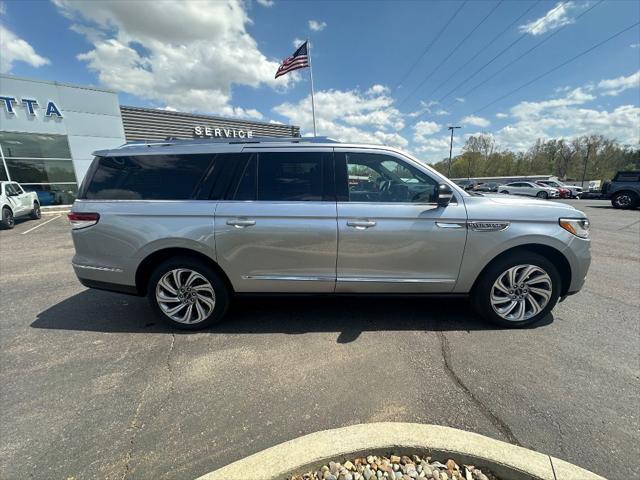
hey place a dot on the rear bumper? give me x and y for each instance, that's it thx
(110, 287)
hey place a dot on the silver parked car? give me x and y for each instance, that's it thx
(192, 224)
(529, 189)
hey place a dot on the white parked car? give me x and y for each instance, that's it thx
(576, 192)
(15, 202)
(529, 189)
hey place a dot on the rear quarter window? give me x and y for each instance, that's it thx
(628, 177)
(145, 177)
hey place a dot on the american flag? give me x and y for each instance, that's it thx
(300, 59)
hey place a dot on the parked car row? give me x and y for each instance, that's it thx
(540, 188)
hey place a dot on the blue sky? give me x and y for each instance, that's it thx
(220, 58)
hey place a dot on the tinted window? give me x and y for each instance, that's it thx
(3, 174)
(286, 177)
(41, 171)
(628, 177)
(383, 178)
(34, 145)
(146, 177)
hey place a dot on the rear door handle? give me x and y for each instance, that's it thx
(361, 224)
(241, 223)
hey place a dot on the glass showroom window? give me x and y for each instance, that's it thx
(41, 163)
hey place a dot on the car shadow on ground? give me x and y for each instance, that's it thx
(93, 310)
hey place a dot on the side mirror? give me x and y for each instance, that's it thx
(445, 194)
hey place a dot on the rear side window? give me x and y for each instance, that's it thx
(628, 177)
(146, 177)
(287, 177)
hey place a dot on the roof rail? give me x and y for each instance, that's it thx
(169, 141)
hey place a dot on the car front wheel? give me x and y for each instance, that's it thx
(7, 221)
(542, 195)
(517, 290)
(187, 294)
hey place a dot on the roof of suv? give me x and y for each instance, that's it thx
(215, 145)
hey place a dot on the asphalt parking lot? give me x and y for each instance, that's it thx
(92, 386)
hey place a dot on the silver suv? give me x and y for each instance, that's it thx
(193, 223)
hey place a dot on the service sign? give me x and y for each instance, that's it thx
(214, 132)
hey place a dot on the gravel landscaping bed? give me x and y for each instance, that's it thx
(396, 468)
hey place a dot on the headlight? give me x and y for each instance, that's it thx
(578, 226)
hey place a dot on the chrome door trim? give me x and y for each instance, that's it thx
(289, 278)
(101, 269)
(450, 225)
(395, 280)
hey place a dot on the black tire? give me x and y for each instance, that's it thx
(624, 200)
(220, 289)
(544, 195)
(7, 221)
(504, 192)
(36, 213)
(481, 294)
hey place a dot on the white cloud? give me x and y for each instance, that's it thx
(350, 116)
(441, 112)
(459, 99)
(15, 49)
(635, 45)
(297, 42)
(614, 86)
(143, 51)
(567, 117)
(476, 121)
(557, 17)
(424, 129)
(317, 26)
(501, 115)
(266, 3)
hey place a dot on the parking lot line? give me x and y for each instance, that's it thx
(40, 224)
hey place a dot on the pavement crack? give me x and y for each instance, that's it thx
(171, 348)
(134, 426)
(493, 418)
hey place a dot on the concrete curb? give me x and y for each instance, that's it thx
(312, 451)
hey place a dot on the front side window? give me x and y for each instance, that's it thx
(286, 177)
(374, 177)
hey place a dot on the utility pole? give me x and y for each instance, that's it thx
(586, 159)
(451, 149)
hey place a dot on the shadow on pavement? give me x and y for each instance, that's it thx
(93, 310)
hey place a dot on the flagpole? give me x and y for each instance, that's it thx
(313, 106)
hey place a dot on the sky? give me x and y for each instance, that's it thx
(391, 72)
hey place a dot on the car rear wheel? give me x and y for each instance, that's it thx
(544, 195)
(36, 213)
(7, 221)
(624, 200)
(187, 294)
(517, 290)
(504, 192)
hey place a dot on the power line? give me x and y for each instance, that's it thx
(484, 47)
(566, 62)
(435, 39)
(547, 38)
(446, 57)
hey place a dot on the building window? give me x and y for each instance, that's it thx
(42, 163)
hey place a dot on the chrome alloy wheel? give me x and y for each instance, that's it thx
(521, 292)
(623, 200)
(185, 296)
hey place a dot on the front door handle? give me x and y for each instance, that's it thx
(241, 222)
(361, 224)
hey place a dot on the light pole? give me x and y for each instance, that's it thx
(450, 150)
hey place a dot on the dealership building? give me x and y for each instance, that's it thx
(48, 131)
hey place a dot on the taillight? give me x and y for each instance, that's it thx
(82, 220)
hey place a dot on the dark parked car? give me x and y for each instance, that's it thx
(487, 187)
(623, 190)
